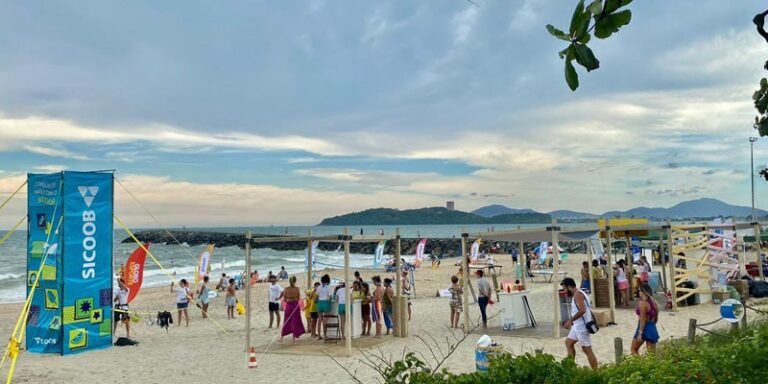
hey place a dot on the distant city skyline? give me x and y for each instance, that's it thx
(285, 113)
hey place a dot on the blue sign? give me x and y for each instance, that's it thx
(87, 273)
(44, 258)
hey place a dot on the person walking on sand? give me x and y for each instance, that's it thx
(376, 311)
(647, 318)
(203, 296)
(455, 302)
(585, 276)
(292, 324)
(182, 300)
(231, 299)
(275, 294)
(581, 314)
(621, 282)
(406, 284)
(323, 302)
(121, 308)
(483, 295)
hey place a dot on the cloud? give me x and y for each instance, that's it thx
(463, 23)
(50, 168)
(54, 152)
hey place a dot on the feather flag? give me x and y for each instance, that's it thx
(203, 267)
(542, 251)
(133, 273)
(378, 255)
(475, 250)
(420, 251)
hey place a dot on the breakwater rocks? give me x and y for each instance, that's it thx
(440, 247)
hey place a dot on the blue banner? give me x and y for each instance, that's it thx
(87, 273)
(44, 207)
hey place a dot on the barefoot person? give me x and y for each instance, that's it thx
(621, 282)
(182, 300)
(581, 314)
(365, 308)
(275, 294)
(483, 295)
(455, 302)
(292, 324)
(376, 311)
(388, 305)
(647, 317)
(310, 309)
(406, 284)
(231, 299)
(203, 296)
(121, 308)
(323, 301)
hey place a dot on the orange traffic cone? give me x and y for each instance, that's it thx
(252, 363)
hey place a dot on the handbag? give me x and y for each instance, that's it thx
(592, 327)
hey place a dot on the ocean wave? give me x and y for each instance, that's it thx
(11, 276)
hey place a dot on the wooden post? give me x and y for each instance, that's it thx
(310, 260)
(743, 322)
(523, 263)
(247, 297)
(465, 280)
(691, 331)
(347, 295)
(672, 277)
(590, 257)
(618, 348)
(555, 277)
(758, 236)
(611, 290)
(629, 262)
(398, 289)
(663, 262)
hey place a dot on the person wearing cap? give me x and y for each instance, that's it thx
(581, 314)
(484, 295)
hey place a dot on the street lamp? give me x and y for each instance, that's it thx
(752, 140)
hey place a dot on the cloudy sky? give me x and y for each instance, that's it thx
(262, 112)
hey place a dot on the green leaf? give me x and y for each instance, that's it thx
(585, 38)
(557, 33)
(564, 52)
(763, 84)
(585, 57)
(762, 128)
(596, 7)
(606, 26)
(612, 5)
(576, 18)
(571, 77)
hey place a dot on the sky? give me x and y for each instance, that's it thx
(263, 112)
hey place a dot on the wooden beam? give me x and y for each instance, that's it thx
(555, 281)
(611, 290)
(398, 289)
(671, 247)
(347, 296)
(465, 280)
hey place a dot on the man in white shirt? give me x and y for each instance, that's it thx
(581, 314)
(275, 294)
(121, 308)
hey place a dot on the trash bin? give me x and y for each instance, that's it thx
(692, 299)
(484, 355)
(565, 306)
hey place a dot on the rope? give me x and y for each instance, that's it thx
(7, 235)
(710, 323)
(13, 194)
(756, 310)
(170, 275)
(12, 350)
(156, 221)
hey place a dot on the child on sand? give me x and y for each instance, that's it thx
(310, 310)
(182, 300)
(231, 299)
(455, 302)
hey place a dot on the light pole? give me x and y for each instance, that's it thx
(752, 140)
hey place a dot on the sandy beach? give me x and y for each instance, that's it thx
(213, 350)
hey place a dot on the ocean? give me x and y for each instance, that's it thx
(182, 259)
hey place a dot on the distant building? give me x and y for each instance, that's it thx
(450, 205)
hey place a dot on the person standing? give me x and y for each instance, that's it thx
(311, 310)
(341, 302)
(223, 283)
(585, 276)
(455, 302)
(275, 294)
(121, 307)
(647, 317)
(644, 268)
(621, 282)
(323, 302)
(182, 300)
(365, 308)
(388, 304)
(231, 299)
(581, 314)
(483, 295)
(292, 324)
(203, 296)
(376, 312)
(406, 284)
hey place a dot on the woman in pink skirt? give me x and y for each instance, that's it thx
(292, 324)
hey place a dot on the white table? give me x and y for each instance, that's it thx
(515, 313)
(547, 272)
